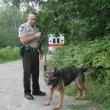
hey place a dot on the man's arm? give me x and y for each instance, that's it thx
(29, 38)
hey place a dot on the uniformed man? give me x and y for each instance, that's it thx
(30, 39)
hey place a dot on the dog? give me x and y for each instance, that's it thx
(58, 79)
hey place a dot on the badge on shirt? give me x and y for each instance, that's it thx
(28, 30)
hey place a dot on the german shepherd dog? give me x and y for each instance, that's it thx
(58, 79)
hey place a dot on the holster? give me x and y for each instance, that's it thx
(27, 48)
(22, 50)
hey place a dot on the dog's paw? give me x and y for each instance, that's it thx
(82, 98)
(79, 98)
(56, 108)
(46, 103)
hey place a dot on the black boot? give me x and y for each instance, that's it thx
(29, 97)
(39, 93)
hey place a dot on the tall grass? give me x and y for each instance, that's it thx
(9, 53)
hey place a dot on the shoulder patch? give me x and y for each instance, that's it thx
(22, 29)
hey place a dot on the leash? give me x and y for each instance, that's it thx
(45, 59)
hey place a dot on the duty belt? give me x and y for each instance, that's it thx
(29, 48)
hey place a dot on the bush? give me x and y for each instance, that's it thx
(94, 53)
(9, 53)
(10, 19)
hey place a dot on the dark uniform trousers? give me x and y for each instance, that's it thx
(31, 71)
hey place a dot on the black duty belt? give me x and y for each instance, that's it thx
(29, 48)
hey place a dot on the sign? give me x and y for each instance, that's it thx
(55, 41)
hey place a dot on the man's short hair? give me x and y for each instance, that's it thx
(33, 12)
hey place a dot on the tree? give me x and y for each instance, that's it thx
(77, 19)
(60, 16)
(96, 13)
(14, 2)
(10, 19)
(17, 2)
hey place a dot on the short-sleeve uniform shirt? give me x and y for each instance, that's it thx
(27, 29)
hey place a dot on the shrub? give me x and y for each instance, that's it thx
(9, 53)
(94, 53)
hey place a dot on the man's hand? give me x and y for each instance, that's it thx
(38, 34)
(41, 56)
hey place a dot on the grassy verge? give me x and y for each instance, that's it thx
(78, 107)
(9, 54)
(95, 92)
(70, 91)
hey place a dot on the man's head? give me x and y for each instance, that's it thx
(32, 18)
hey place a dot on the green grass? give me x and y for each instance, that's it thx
(99, 93)
(9, 54)
(78, 107)
(70, 91)
(95, 92)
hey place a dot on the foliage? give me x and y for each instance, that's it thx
(10, 19)
(99, 93)
(96, 15)
(17, 2)
(9, 53)
(14, 2)
(78, 20)
(93, 53)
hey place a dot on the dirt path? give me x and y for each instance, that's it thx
(12, 97)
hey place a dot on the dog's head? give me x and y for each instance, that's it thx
(50, 76)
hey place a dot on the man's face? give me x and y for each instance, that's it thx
(32, 19)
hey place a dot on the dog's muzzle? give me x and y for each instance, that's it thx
(49, 82)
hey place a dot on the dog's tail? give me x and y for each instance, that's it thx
(88, 70)
(93, 69)
(83, 70)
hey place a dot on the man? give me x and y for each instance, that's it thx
(30, 39)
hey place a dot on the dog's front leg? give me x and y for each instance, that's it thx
(83, 91)
(50, 93)
(60, 100)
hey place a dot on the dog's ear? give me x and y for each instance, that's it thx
(99, 67)
(45, 67)
(55, 70)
